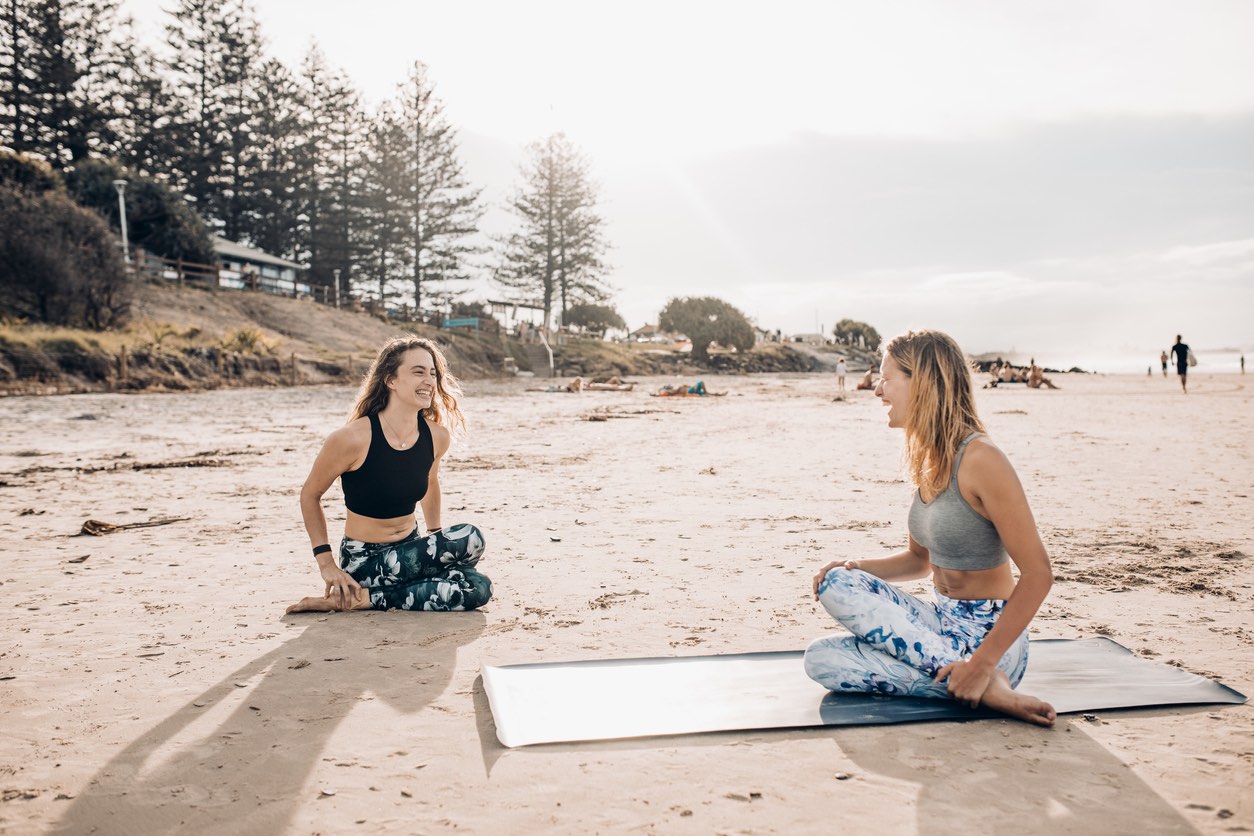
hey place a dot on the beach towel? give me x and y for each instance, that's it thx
(552, 702)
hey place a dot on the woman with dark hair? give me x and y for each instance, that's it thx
(387, 458)
(969, 519)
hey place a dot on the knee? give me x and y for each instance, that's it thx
(477, 591)
(826, 657)
(810, 661)
(470, 535)
(839, 582)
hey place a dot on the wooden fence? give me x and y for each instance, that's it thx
(152, 267)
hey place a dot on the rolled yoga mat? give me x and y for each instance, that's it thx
(551, 702)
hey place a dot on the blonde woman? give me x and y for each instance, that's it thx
(387, 458)
(969, 520)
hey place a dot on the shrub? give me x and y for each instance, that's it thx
(246, 341)
(22, 172)
(59, 263)
(158, 219)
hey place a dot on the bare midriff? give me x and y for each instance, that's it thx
(371, 530)
(977, 585)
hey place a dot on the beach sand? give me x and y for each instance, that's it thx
(150, 682)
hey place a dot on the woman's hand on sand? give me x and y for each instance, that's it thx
(835, 564)
(342, 590)
(968, 680)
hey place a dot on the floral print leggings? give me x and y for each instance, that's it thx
(900, 642)
(432, 572)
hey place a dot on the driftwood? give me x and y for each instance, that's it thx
(99, 528)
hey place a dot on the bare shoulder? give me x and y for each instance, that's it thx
(441, 438)
(984, 465)
(353, 437)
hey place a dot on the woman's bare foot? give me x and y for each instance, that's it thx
(323, 604)
(1001, 697)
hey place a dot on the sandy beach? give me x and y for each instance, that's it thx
(150, 682)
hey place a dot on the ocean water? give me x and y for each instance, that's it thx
(1128, 361)
(1209, 361)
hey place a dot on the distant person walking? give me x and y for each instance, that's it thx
(1242, 364)
(1163, 358)
(842, 369)
(1181, 352)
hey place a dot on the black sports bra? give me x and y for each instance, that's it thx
(389, 482)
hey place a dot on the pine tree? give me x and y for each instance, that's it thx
(333, 192)
(442, 210)
(191, 69)
(556, 256)
(16, 78)
(240, 61)
(276, 163)
(63, 64)
(384, 224)
(213, 51)
(148, 141)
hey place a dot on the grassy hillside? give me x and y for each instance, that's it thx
(202, 339)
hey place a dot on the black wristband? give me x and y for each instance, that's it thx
(323, 549)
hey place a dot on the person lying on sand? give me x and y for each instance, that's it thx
(685, 389)
(969, 519)
(613, 384)
(868, 380)
(387, 458)
(576, 385)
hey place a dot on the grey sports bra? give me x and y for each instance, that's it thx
(955, 536)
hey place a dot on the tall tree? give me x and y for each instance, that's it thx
(275, 163)
(442, 210)
(146, 141)
(556, 256)
(333, 190)
(385, 231)
(213, 51)
(64, 62)
(16, 77)
(581, 244)
(241, 61)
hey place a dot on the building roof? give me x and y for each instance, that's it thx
(516, 304)
(230, 249)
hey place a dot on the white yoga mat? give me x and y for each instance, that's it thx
(552, 702)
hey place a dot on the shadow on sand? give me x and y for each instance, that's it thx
(994, 776)
(235, 759)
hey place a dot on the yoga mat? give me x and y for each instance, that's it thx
(551, 702)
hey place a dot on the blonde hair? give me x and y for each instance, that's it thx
(373, 395)
(941, 411)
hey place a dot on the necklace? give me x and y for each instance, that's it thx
(401, 443)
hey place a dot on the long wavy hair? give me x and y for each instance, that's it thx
(374, 393)
(941, 411)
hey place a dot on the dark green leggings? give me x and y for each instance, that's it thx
(435, 572)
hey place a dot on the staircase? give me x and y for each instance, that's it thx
(538, 359)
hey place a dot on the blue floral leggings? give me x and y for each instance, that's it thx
(432, 572)
(900, 642)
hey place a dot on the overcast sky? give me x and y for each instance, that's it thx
(1072, 179)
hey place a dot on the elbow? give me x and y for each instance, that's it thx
(309, 498)
(1043, 579)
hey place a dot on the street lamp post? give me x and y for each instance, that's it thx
(120, 185)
